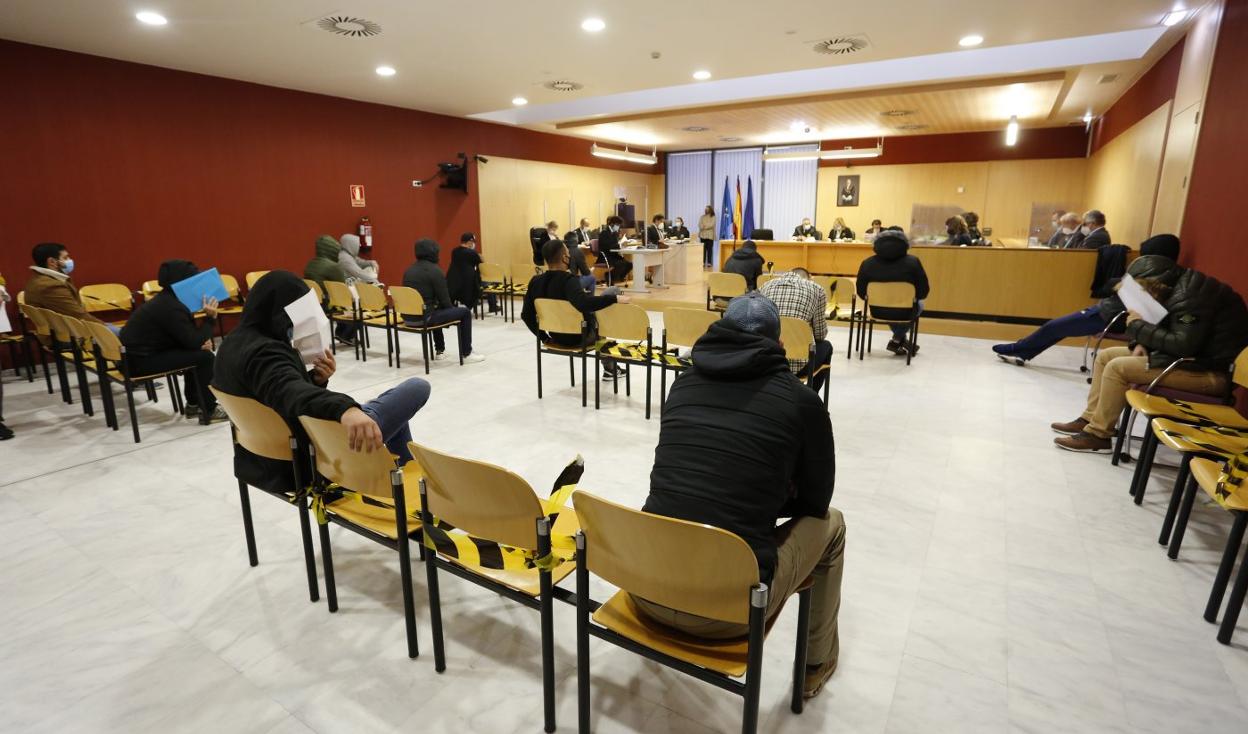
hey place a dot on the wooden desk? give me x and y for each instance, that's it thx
(987, 282)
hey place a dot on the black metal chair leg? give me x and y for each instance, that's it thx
(309, 556)
(431, 581)
(582, 637)
(1148, 450)
(539, 369)
(799, 655)
(546, 587)
(1235, 604)
(1172, 509)
(327, 559)
(134, 416)
(754, 660)
(1233, 541)
(248, 530)
(1122, 436)
(1185, 511)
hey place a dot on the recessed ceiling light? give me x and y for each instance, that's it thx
(150, 18)
(1011, 131)
(386, 71)
(593, 25)
(797, 126)
(1173, 18)
(1087, 117)
(701, 75)
(968, 41)
(518, 101)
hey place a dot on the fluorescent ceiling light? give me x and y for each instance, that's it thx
(386, 71)
(150, 18)
(827, 155)
(1011, 131)
(969, 41)
(517, 101)
(1173, 18)
(593, 25)
(1087, 118)
(624, 155)
(701, 75)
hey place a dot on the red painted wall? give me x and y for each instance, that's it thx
(129, 165)
(1049, 142)
(1149, 92)
(1213, 223)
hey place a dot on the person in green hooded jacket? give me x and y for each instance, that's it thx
(324, 266)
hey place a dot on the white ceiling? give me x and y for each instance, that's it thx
(472, 58)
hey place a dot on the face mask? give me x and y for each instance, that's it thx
(805, 225)
(1086, 230)
(67, 266)
(1068, 230)
(679, 223)
(615, 228)
(950, 230)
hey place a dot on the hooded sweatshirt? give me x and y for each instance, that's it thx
(257, 361)
(164, 324)
(746, 261)
(742, 442)
(891, 263)
(324, 266)
(426, 277)
(463, 277)
(351, 263)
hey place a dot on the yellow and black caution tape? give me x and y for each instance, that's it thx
(1195, 440)
(1232, 478)
(636, 352)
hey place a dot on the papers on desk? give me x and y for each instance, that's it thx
(310, 327)
(193, 290)
(1136, 299)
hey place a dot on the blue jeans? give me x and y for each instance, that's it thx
(587, 283)
(446, 315)
(393, 409)
(1080, 323)
(114, 328)
(899, 330)
(823, 355)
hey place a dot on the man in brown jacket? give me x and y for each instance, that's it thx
(49, 285)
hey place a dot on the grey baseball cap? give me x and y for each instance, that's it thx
(756, 314)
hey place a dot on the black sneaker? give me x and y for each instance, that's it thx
(914, 348)
(346, 340)
(192, 411)
(5, 432)
(895, 346)
(218, 415)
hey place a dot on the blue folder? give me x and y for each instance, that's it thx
(191, 291)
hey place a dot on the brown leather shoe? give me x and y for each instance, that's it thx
(816, 676)
(1069, 429)
(1084, 443)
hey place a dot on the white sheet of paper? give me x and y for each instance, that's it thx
(1135, 298)
(4, 318)
(310, 327)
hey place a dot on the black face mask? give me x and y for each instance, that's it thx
(950, 230)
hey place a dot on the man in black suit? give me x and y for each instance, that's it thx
(1095, 236)
(806, 229)
(582, 233)
(608, 246)
(656, 232)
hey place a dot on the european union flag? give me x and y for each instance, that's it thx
(725, 214)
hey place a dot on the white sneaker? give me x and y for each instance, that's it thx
(439, 356)
(474, 358)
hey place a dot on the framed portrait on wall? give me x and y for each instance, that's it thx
(847, 190)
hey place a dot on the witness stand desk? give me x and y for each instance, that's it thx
(979, 283)
(644, 258)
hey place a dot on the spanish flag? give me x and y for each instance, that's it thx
(736, 213)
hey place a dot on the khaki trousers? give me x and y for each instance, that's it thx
(807, 547)
(1116, 369)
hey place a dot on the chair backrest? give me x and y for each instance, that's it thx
(364, 472)
(257, 427)
(797, 337)
(844, 291)
(828, 284)
(106, 297)
(1239, 373)
(725, 285)
(558, 317)
(762, 234)
(684, 326)
(38, 319)
(78, 330)
(372, 298)
(231, 285)
(315, 288)
(253, 276)
(492, 273)
(623, 321)
(339, 295)
(521, 274)
(106, 340)
(56, 322)
(481, 499)
(688, 566)
(407, 301)
(890, 295)
(762, 279)
(150, 288)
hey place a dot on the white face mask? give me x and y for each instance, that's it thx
(805, 225)
(679, 223)
(1068, 230)
(1086, 230)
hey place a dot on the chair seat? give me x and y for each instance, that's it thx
(553, 347)
(1172, 393)
(1191, 439)
(1154, 406)
(377, 518)
(1206, 474)
(631, 352)
(527, 581)
(407, 326)
(229, 310)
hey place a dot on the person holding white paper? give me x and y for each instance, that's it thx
(1206, 322)
(162, 335)
(256, 360)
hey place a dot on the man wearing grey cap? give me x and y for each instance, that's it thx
(742, 444)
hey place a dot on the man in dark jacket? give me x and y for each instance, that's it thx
(577, 264)
(891, 263)
(463, 277)
(743, 443)
(1095, 236)
(257, 361)
(1157, 256)
(426, 277)
(608, 247)
(324, 266)
(657, 231)
(162, 335)
(1206, 322)
(746, 261)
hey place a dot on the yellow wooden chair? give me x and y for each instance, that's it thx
(113, 367)
(560, 317)
(763, 278)
(1217, 443)
(367, 494)
(682, 327)
(261, 431)
(40, 340)
(625, 338)
(490, 503)
(494, 282)
(887, 295)
(67, 351)
(149, 288)
(373, 312)
(1223, 482)
(316, 289)
(251, 278)
(799, 344)
(232, 306)
(341, 309)
(107, 297)
(722, 288)
(408, 304)
(692, 567)
(518, 279)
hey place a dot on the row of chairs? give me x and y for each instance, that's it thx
(486, 525)
(1212, 438)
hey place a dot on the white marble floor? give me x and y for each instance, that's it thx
(992, 584)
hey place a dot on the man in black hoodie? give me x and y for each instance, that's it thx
(426, 277)
(743, 443)
(892, 264)
(256, 360)
(162, 335)
(746, 261)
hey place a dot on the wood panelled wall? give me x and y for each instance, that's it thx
(1001, 192)
(519, 194)
(1123, 176)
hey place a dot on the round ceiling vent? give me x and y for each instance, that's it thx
(345, 25)
(730, 140)
(564, 85)
(912, 126)
(695, 129)
(841, 45)
(897, 113)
